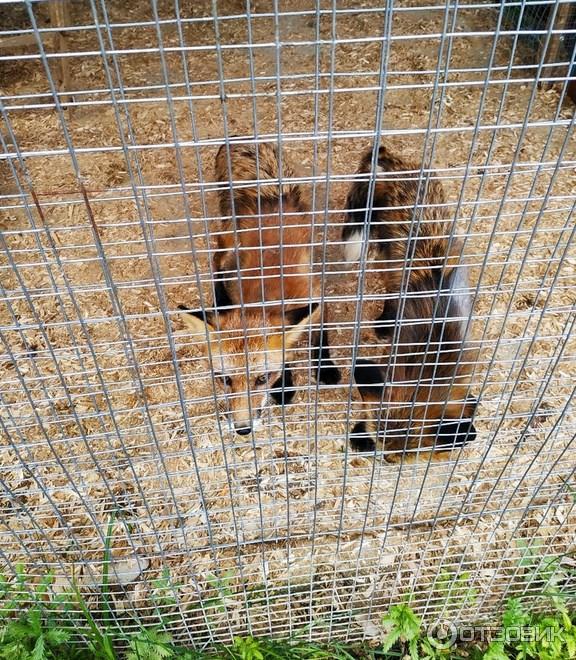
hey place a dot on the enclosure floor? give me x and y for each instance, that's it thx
(115, 413)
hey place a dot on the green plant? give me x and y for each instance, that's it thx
(247, 648)
(37, 624)
(495, 651)
(105, 590)
(513, 618)
(221, 585)
(403, 627)
(19, 594)
(550, 573)
(163, 597)
(32, 637)
(405, 632)
(454, 590)
(25, 630)
(100, 641)
(150, 644)
(541, 637)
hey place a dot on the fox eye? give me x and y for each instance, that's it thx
(262, 379)
(225, 379)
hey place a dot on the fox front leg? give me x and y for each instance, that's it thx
(282, 392)
(324, 368)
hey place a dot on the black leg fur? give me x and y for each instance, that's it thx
(328, 374)
(283, 397)
(368, 377)
(384, 324)
(221, 297)
(360, 440)
(205, 315)
(472, 401)
(455, 433)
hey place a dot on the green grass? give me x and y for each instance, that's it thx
(37, 624)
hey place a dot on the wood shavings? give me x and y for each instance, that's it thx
(304, 531)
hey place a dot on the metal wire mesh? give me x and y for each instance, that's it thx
(532, 19)
(536, 20)
(111, 414)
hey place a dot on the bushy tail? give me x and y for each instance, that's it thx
(239, 164)
(395, 193)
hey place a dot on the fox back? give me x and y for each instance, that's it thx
(264, 241)
(418, 396)
(397, 235)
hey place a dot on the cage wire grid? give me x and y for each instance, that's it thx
(110, 424)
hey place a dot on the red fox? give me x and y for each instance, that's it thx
(263, 260)
(419, 399)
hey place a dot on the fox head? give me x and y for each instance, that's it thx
(247, 360)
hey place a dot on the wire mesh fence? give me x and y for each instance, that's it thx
(366, 211)
(537, 20)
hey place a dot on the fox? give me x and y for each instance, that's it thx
(264, 292)
(419, 400)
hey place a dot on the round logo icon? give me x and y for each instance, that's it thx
(442, 634)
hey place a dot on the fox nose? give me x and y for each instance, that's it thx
(242, 429)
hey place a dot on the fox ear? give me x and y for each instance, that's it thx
(297, 318)
(197, 320)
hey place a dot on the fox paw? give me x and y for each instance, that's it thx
(329, 374)
(360, 440)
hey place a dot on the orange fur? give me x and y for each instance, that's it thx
(263, 269)
(264, 251)
(423, 391)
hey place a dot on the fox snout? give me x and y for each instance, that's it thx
(243, 424)
(244, 412)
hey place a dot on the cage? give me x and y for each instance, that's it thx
(547, 31)
(113, 434)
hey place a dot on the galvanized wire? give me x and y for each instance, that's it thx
(109, 410)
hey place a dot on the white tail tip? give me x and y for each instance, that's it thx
(353, 247)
